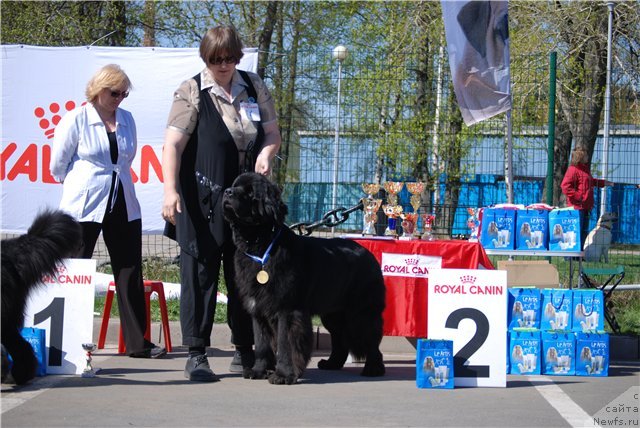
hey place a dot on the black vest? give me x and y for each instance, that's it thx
(209, 165)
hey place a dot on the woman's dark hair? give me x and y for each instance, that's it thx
(223, 38)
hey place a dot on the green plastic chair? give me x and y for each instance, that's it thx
(614, 276)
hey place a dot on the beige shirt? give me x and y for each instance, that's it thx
(184, 110)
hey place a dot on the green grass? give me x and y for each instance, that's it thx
(624, 304)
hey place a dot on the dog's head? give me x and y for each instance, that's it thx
(253, 200)
(607, 220)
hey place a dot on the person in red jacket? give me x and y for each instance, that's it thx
(577, 185)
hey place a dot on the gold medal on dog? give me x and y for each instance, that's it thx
(262, 277)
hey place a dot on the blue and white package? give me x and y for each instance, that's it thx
(588, 310)
(434, 364)
(532, 229)
(564, 229)
(524, 351)
(497, 228)
(558, 353)
(524, 307)
(592, 354)
(556, 309)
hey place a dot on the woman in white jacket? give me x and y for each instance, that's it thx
(93, 148)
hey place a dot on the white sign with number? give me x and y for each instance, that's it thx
(63, 306)
(470, 307)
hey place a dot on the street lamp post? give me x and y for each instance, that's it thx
(607, 114)
(339, 54)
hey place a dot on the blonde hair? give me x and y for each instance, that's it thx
(579, 156)
(219, 39)
(108, 77)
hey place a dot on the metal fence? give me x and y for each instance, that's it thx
(390, 122)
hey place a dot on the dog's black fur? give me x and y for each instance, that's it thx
(52, 237)
(336, 279)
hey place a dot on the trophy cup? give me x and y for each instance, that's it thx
(393, 188)
(415, 189)
(428, 220)
(472, 224)
(409, 221)
(89, 371)
(392, 209)
(392, 212)
(370, 207)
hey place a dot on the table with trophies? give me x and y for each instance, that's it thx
(406, 259)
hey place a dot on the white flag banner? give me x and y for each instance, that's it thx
(41, 84)
(478, 43)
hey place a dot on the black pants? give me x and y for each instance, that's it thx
(584, 227)
(123, 239)
(199, 288)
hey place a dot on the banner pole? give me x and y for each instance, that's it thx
(508, 177)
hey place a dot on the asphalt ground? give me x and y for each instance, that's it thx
(154, 393)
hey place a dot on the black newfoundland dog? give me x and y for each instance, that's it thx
(284, 279)
(52, 237)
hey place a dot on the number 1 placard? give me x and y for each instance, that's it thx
(63, 306)
(470, 308)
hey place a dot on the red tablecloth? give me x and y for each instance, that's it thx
(406, 310)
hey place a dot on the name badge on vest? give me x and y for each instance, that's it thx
(250, 111)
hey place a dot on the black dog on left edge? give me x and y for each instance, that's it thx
(336, 279)
(52, 237)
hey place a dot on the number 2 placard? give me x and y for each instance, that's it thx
(63, 306)
(470, 308)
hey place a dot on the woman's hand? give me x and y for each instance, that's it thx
(171, 206)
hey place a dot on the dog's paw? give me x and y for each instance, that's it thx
(248, 373)
(373, 370)
(276, 379)
(329, 365)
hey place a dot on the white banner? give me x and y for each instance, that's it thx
(40, 84)
(470, 307)
(478, 43)
(63, 306)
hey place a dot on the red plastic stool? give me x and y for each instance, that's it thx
(149, 287)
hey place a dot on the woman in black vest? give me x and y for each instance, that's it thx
(222, 122)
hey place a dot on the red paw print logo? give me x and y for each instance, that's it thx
(49, 120)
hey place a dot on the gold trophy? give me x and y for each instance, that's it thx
(415, 189)
(371, 206)
(392, 210)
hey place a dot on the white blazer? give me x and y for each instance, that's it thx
(81, 160)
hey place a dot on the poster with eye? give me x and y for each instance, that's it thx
(469, 307)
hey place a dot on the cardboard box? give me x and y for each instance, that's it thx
(530, 273)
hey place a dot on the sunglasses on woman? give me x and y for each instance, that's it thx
(219, 60)
(118, 94)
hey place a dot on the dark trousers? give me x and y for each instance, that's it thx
(123, 239)
(584, 227)
(198, 294)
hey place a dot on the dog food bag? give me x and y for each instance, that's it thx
(524, 308)
(532, 230)
(564, 229)
(37, 338)
(558, 353)
(524, 351)
(556, 308)
(434, 364)
(592, 354)
(497, 228)
(588, 310)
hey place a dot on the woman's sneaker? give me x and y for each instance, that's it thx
(197, 369)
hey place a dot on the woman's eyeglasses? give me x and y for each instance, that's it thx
(219, 60)
(118, 94)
